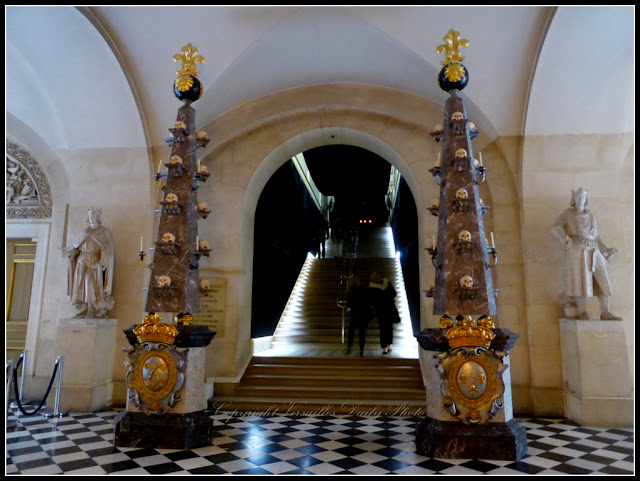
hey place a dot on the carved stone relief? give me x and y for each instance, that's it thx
(27, 193)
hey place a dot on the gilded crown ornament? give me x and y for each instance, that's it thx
(184, 318)
(187, 87)
(152, 330)
(465, 335)
(485, 321)
(453, 76)
(445, 322)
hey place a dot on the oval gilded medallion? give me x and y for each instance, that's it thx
(155, 373)
(471, 380)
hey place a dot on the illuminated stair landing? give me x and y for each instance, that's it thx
(306, 370)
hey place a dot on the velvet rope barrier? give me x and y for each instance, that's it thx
(17, 392)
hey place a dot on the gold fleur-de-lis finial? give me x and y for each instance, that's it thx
(188, 57)
(452, 46)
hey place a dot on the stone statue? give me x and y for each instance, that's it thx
(91, 269)
(585, 273)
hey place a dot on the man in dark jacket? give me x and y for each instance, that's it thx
(358, 300)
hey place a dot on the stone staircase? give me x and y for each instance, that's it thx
(366, 386)
(306, 370)
(312, 316)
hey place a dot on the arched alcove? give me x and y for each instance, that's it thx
(92, 146)
(577, 134)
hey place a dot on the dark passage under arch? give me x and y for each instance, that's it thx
(287, 224)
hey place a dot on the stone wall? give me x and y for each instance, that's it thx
(119, 182)
(529, 181)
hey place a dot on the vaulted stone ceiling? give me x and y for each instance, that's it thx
(101, 77)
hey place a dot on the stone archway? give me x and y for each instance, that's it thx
(252, 141)
(310, 140)
(238, 189)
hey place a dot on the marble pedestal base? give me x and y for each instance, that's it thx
(186, 425)
(595, 366)
(88, 347)
(448, 440)
(165, 431)
(443, 433)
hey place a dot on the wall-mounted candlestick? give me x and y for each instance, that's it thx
(438, 160)
(141, 254)
(66, 228)
(481, 164)
(493, 242)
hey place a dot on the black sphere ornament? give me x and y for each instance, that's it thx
(187, 88)
(456, 80)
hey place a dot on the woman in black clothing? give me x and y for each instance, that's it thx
(383, 295)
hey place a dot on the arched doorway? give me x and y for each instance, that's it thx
(252, 143)
(302, 355)
(369, 198)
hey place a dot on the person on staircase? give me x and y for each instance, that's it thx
(320, 237)
(383, 295)
(359, 301)
(338, 235)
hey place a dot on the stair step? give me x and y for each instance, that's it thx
(318, 407)
(314, 392)
(330, 330)
(303, 339)
(350, 372)
(320, 381)
(323, 361)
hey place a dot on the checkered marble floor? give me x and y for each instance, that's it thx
(299, 444)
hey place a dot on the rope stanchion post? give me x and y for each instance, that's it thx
(56, 409)
(8, 371)
(21, 363)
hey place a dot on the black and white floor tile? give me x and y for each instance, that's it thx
(82, 444)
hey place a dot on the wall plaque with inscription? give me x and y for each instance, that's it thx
(212, 305)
